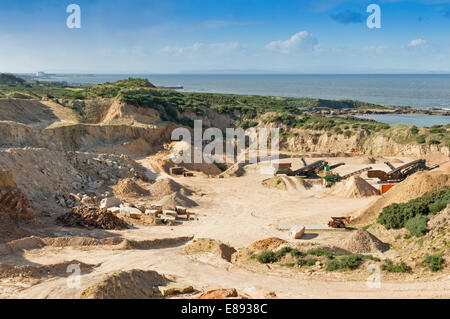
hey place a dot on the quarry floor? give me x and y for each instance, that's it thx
(236, 211)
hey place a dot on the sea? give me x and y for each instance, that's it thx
(421, 91)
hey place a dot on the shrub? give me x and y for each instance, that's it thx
(301, 262)
(434, 142)
(434, 262)
(310, 261)
(320, 252)
(420, 139)
(267, 257)
(351, 261)
(396, 215)
(417, 225)
(414, 130)
(333, 265)
(389, 266)
(437, 206)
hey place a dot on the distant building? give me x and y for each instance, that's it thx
(40, 74)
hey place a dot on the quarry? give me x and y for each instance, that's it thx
(93, 184)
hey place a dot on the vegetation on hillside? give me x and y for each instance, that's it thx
(331, 260)
(413, 215)
(246, 110)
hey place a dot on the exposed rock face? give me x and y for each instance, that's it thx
(14, 205)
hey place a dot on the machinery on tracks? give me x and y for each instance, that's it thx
(400, 173)
(308, 170)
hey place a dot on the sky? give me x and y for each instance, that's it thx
(225, 36)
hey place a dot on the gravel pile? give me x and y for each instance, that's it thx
(84, 216)
(364, 242)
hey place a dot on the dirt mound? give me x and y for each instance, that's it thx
(274, 183)
(364, 242)
(176, 199)
(30, 112)
(396, 161)
(414, 186)
(42, 271)
(81, 241)
(354, 187)
(167, 186)
(95, 217)
(128, 187)
(122, 113)
(132, 284)
(14, 205)
(202, 245)
(268, 243)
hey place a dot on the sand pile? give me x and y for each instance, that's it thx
(202, 245)
(354, 187)
(95, 217)
(414, 186)
(176, 199)
(364, 242)
(132, 284)
(128, 187)
(268, 243)
(396, 161)
(167, 186)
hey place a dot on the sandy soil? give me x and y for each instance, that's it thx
(236, 211)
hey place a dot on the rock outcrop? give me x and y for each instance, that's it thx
(14, 204)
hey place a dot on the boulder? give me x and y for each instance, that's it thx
(130, 212)
(110, 202)
(152, 212)
(297, 232)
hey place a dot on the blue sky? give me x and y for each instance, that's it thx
(233, 36)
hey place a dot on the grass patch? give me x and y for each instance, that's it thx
(434, 262)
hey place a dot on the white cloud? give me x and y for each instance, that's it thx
(301, 41)
(417, 43)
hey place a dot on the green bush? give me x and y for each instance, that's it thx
(310, 261)
(437, 206)
(351, 261)
(267, 257)
(389, 266)
(333, 265)
(396, 215)
(417, 225)
(434, 142)
(320, 252)
(414, 130)
(420, 139)
(434, 262)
